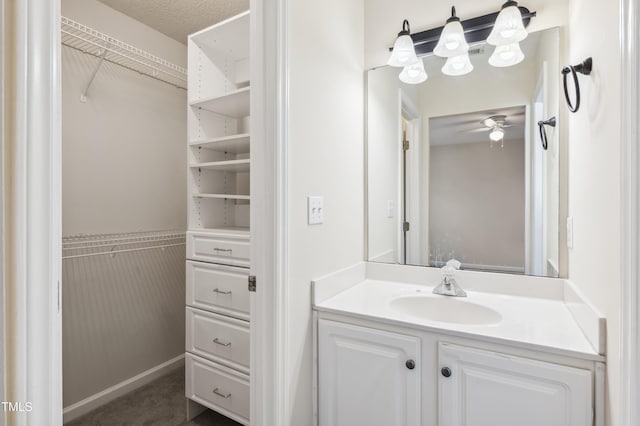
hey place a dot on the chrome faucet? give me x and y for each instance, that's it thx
(448, 286)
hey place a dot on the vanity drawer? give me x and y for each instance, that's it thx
(219, 338)
(217, 387)
(218, 288)
(227, 249)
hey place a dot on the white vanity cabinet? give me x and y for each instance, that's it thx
(481, 388)
(367, 377)
(363, 379)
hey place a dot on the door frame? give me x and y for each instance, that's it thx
(630, 212)
(32, 220)
(269, 230)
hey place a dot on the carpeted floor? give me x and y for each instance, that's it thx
(160, 403)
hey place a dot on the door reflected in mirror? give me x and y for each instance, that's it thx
(456, 167)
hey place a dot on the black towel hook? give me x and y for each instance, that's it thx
(543, 132)
(583, 68)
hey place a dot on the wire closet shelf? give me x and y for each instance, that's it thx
(100, 45)
(111, 244)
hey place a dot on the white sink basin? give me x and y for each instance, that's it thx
(445, 309)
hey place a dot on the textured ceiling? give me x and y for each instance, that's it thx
(179, 18)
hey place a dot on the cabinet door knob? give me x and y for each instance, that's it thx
(411, 364)
(446, 371)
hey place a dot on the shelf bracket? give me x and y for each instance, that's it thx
(83, 96)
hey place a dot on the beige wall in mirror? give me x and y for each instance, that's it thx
(452, 193)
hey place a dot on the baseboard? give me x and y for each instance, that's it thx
(81, 408)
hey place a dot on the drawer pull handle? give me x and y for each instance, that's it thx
(217, 290)
(220, 342)
(224, 395)
(223, 250)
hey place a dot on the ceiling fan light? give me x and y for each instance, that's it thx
(506, 55)
(457, 65)
(452, 41)
(508, 27)
(413, 74)
(403, 53)
(497, 134)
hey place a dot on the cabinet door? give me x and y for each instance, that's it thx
(492, 389)
(367, 377)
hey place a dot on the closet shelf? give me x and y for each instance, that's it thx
(224, 166)
(226, 39)
(233, 104)
(223, 196)
(237, 144)
(238, 230)
(95, 43)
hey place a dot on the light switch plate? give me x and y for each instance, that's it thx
(315, 210)
(390, 208)
(570, 232)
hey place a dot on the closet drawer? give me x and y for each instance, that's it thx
(217, 387)
(218, 288)
(219, 338)
(227, 249)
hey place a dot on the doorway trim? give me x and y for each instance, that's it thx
(630, 212)
(32, 165)
(269, 343)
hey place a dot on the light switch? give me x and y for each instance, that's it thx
(570, 232)
(315, 209)
(389, 208)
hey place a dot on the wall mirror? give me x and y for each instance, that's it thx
(456, 165)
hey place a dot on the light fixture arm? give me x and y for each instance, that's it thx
(475, 30)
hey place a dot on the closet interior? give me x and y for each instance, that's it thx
(156, 202)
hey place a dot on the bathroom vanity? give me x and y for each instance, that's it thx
(518, 350)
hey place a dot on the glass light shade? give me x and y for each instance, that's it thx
(496, 134)
(508, 28)
(506, 55)
(457, 65)
(452, 41)
(403, 53)
(414, 74)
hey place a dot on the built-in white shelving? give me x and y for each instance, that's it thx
(225, 166)
(234, 143)
(218, 239)
(223, 196)
(233, 104)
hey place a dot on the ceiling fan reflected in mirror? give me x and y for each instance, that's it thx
(495, 125)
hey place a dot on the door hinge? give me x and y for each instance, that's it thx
(252, 283)
(405, 226)
(405, 145)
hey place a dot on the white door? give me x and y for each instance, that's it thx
(367, 377)
(480, 388)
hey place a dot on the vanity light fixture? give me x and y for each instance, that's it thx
(458, 65)
(452, 41)
(504, 28)
(403, 53)
(414, 74)
(506, 55)
(509, 27)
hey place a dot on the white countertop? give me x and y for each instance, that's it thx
(536, 323)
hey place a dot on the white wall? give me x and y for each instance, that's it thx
(478, 209)
(325, 156)
(594, 178)
(123, 151)
(383, 19)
